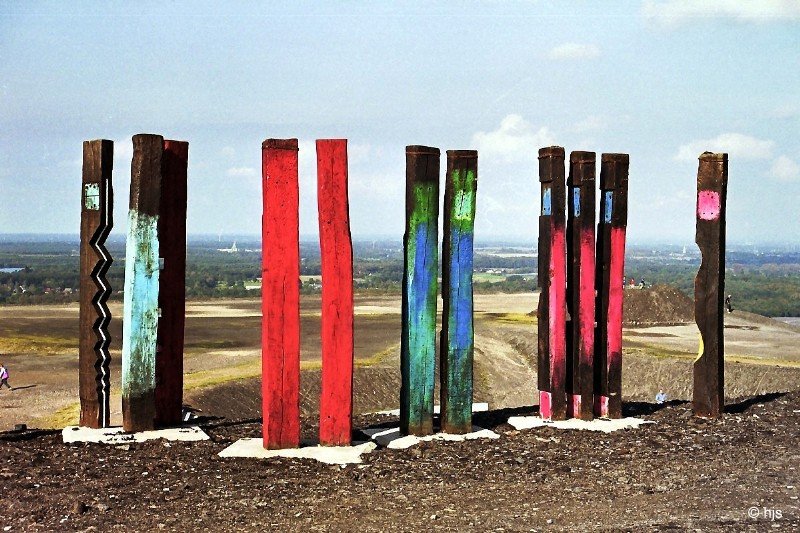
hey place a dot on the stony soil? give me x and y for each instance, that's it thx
(660, 305)
(679, 473)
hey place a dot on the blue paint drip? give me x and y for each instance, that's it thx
(576, 201)
(609, 208)
(461, 269)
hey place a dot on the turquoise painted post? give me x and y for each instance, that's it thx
(420, 284)
(140, 313)
(458, 336)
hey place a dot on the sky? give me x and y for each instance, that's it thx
(660, 80)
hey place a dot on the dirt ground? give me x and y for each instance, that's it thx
(735, 474)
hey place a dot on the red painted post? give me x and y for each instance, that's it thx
(580, 285)
(552, 313)
(610, 271)
(280, 295)
(336, 250)
(172, 283)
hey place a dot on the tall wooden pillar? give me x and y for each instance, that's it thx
(580, 285)
(172, 283)
(141, 301)
(97, 203)
(610, 274)
(708, 398)
(552, 283)
(336, 251)
(420, 285)
(458, 337)
(280, 295)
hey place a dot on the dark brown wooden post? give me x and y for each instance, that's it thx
(610, 272)
(580, 285)
(97, 202)
(552, 283)
(172, 283)
(709, 285)
(140, 324)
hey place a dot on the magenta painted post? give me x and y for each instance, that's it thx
(552, 312)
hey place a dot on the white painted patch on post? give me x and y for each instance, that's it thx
(333, 455)
(391, 437)
(598, 424)
(115, 435)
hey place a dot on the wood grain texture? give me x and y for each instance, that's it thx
(581, 285)
(141, 310)
(708, 398)
(336, 251)
(172, 283)
(610, 271)
(280, 295)
(552, 284)
(97, 202)
(420, 285)
(458, 336)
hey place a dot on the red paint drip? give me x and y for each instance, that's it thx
(574, 407)
(587, 296)
(558, 311)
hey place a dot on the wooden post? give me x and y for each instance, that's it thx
(336, 251)
(97, 203)
(610, 273)
(280, 295)
(420, 280)
(580, 285)
(457, 341)
(552, 283)
(708, 398)
(141, 286)
(172, 283)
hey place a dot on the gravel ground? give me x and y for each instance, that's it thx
(679, 473)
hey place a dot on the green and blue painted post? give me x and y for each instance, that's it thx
(140, 315)
(420, 285)
(458, 335)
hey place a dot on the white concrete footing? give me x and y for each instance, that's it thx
(391, 437)
(335, 455)
(598, 424)
(115, 435)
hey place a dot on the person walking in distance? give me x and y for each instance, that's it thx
(4, 377)
(728, 304)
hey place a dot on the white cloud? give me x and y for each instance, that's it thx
(785, 169)
(734, 144)
(672, 13)
(514, 140)
(241, 172)
(787, 111)
(569, 51)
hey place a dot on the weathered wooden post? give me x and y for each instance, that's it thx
(141, 286)
(280, 295)
(457, 341)
(172, 283)
(580, 285)
(552, 284)
(420, 280)
(610, 272)
(708, 398)
(97, 203)
(336, 250)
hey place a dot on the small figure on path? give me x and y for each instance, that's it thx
(642, 284)
(4, 377)
(661, 397)
(728, 304)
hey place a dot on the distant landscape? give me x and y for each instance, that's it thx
(44, 269)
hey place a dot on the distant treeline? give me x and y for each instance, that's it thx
(767, 284)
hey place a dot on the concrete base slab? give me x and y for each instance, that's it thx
(391, 437)
(598, 424)
(476, 408)
(115, 435)
(334, 455)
